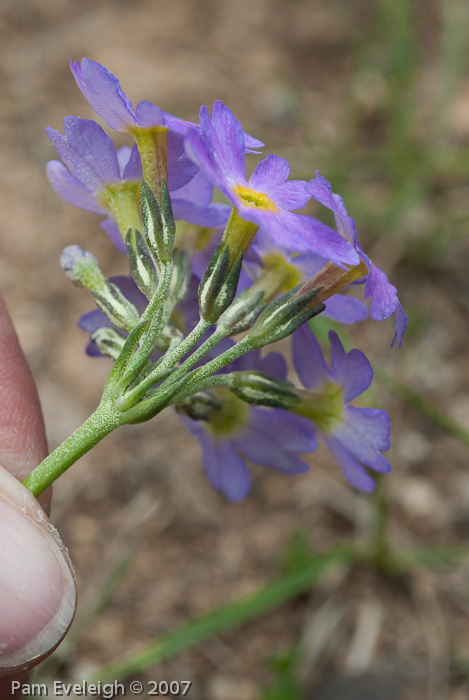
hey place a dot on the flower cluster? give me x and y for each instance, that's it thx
(205, 294)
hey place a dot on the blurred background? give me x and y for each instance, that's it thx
(374, 94)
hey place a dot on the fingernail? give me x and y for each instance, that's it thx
(37, 590)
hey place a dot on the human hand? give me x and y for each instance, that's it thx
(37, 581)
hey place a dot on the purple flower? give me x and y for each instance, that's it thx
(103, 92)
(90, 164)
(238, 431)
(355, 436)
(267, 199)
(382, 294)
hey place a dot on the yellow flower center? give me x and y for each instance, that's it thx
(252, 198)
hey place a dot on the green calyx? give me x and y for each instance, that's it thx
(238, 235)
(122, 200)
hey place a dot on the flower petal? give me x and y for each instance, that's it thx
(321, 239)
(321, 190)
(270, 177)
(110, 226)
(361, 449)
(149, 115)
(354, 472)
(372, 423)
(346, 309)
(352, 370)
(284, 430)
(87, 151)
(274, 364)
(227, 137)
(308, 358)
(103, 92)
(400, 325)
(211, 216)
(225, 469)
(133, 168)
(382, 293)
(70, 189)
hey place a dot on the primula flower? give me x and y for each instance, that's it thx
(355, 436)
(238, 431)
(382, 294)
(90, 168)
(267, 198)
(103, 92)
(92, 172)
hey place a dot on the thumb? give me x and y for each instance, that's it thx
(37, 583)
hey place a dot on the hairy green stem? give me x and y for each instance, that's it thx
(102, 422)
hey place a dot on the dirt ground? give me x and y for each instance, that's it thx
(287, 71)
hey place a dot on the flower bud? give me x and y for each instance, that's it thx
(83, 270)
(217, 287)
(283, 316)
(141, 264)
(159, 228)
(259, 388)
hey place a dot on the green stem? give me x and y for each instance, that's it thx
(131, 398)
(224, 380)
(102, 422)
(216, 364)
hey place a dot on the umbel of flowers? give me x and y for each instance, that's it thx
(210, 285)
